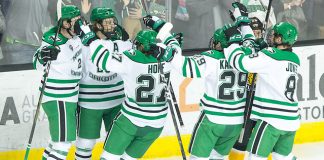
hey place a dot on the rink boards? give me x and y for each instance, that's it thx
(19, 96)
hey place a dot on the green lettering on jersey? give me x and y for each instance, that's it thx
(214, 54)
(48, 37)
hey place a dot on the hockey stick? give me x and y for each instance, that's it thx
(167, 95)
(250, 92)
(48, 66)
(176, 106)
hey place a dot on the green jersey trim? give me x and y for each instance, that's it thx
(214, 54)
(275, 101)
(35, 60)
(146, 105)
(235, 50)
(224, 114)
(197, 69)
(60, 95)
(62, 81)
(96, 52)
(101, 99)
(275, 116)
(240, 63)
(101, 86)
(142, 116)
(184, 67)
(281, 55)
(48, 37)
(223, 102)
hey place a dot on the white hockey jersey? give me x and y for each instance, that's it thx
(223, 101)
(102, 89)
(65, 72)
(275, 99)
(145, 101)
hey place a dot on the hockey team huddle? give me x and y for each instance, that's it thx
(95, 74)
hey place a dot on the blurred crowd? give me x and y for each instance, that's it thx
(22, 23)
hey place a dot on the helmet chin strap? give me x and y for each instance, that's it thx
(69, 29)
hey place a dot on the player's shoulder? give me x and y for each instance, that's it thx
(49, 37)
(139, 57)
(281, 55)
(213, 54)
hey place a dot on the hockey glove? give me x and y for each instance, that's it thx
(48, 53)
(156, 51)
(161, 52)
(233, 35)
(153, 22)
(120, 34)
(84, 32)
(178, 37)
(240, 14)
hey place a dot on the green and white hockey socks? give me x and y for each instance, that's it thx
(84, 148)
(59, 150)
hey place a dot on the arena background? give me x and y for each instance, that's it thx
(19, 82)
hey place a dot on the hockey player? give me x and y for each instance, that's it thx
(62, 85)
(255, 42)
(144, 110)
(101, 91)
(275, 106)
(221, 119)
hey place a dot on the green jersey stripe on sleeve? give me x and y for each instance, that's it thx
(96, 52)
(275, 101)
(61, 81)
(197, 69)
(61, 95)
(184, 67)
(231, 54)
(275, 116)
(241, 64)
(224, 114)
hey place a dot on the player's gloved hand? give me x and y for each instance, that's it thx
(84, 32)
(233, 35)
(240, 14)
(161, 52)
(178, 37)
(48, 53)
(153, 22)
(157, 51)
(120, 34)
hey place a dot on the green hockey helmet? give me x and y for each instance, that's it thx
(219, 36)
(101, 13)
(145, 38)
(69, 12)
(287, 31)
